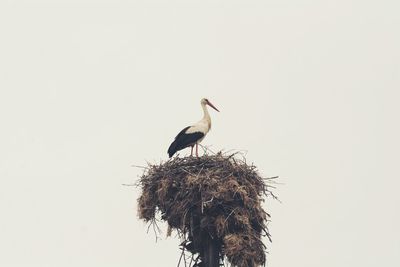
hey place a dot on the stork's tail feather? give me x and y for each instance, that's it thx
(172, 149)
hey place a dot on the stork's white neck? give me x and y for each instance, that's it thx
(206, 115)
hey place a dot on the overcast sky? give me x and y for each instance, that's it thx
(310, 89)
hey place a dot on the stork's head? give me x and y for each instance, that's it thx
(205, 101)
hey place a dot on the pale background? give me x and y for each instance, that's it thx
(309, 88)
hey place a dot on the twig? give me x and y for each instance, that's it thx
(203, 204)
(141, 167)
(229, 215)
(180, 258)
(191, 260)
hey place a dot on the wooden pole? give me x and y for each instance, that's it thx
(208, 247)
(210, 252)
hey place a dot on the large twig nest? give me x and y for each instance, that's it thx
(221, 192)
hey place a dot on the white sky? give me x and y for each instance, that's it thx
(309, 88)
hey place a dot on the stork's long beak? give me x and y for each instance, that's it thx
(211, 105)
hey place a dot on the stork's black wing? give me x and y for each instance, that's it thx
(183, 140)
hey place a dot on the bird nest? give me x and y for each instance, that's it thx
(214, 196)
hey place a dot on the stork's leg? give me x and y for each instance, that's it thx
(191, 152)
(197, 150)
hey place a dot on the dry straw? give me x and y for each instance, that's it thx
(215, 196)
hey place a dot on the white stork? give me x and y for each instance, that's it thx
(193, 135)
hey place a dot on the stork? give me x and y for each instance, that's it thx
(192, 135)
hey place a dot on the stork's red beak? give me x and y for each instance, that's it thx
(211, 105)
